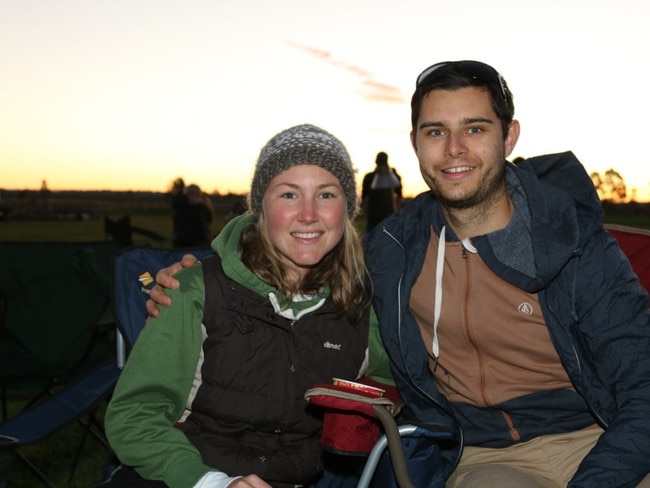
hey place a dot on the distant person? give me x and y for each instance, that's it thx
(178, 202)
(238, 208)
(381, 193)
(193, 214)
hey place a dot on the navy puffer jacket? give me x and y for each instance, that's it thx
(594, 307)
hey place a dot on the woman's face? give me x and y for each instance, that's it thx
(305, 209)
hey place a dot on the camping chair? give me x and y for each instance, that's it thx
(134, 270)
(355, 414)
(77, 401)
(121, 231)
(54, 312)
(55, 338)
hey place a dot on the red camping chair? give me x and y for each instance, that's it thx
(635, 243)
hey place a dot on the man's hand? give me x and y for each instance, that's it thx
(165, 279)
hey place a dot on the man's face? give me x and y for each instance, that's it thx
(460, 146)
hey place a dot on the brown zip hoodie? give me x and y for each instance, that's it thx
(494, 343)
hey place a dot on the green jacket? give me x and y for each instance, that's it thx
(156, 385)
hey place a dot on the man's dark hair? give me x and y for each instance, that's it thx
(454, 77)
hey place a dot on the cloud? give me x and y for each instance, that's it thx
(371, 89)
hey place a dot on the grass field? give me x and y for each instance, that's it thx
(54, 455)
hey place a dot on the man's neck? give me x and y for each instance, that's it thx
(481, 219)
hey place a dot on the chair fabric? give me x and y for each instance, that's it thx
(134, 272)
(54, 310)
(56, 333)
(39, 422)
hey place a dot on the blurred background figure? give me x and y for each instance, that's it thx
(238, 208)
(381, 192)
(193, 214)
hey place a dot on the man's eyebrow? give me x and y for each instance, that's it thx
(477, 120)
(465, 121)
(424, 125)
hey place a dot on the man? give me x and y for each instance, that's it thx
(508, 313)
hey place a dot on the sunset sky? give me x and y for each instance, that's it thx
(131, 94)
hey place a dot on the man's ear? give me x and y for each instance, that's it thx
(412, 136)
(512, 137)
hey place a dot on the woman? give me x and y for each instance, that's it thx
(212, 393)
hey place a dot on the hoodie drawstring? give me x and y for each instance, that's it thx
(437, 300)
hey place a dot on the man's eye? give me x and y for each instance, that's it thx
(436, 133)
(475, 130)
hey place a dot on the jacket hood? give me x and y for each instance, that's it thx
(226, 245)
(556, 209)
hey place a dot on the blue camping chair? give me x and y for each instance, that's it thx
(134, 272)
(123, 291)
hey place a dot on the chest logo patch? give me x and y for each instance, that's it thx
(525, 308)
(329, 345)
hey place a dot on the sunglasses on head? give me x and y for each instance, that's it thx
(474, 69)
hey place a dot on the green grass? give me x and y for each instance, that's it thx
(84, 230)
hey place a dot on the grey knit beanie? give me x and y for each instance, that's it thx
(303, 144)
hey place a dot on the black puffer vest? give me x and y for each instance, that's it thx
(249, 415)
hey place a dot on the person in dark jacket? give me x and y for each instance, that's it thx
(509, 314)
(193, 214)
(212, 392)
(381, 191)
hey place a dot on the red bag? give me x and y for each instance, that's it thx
(350, 424)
